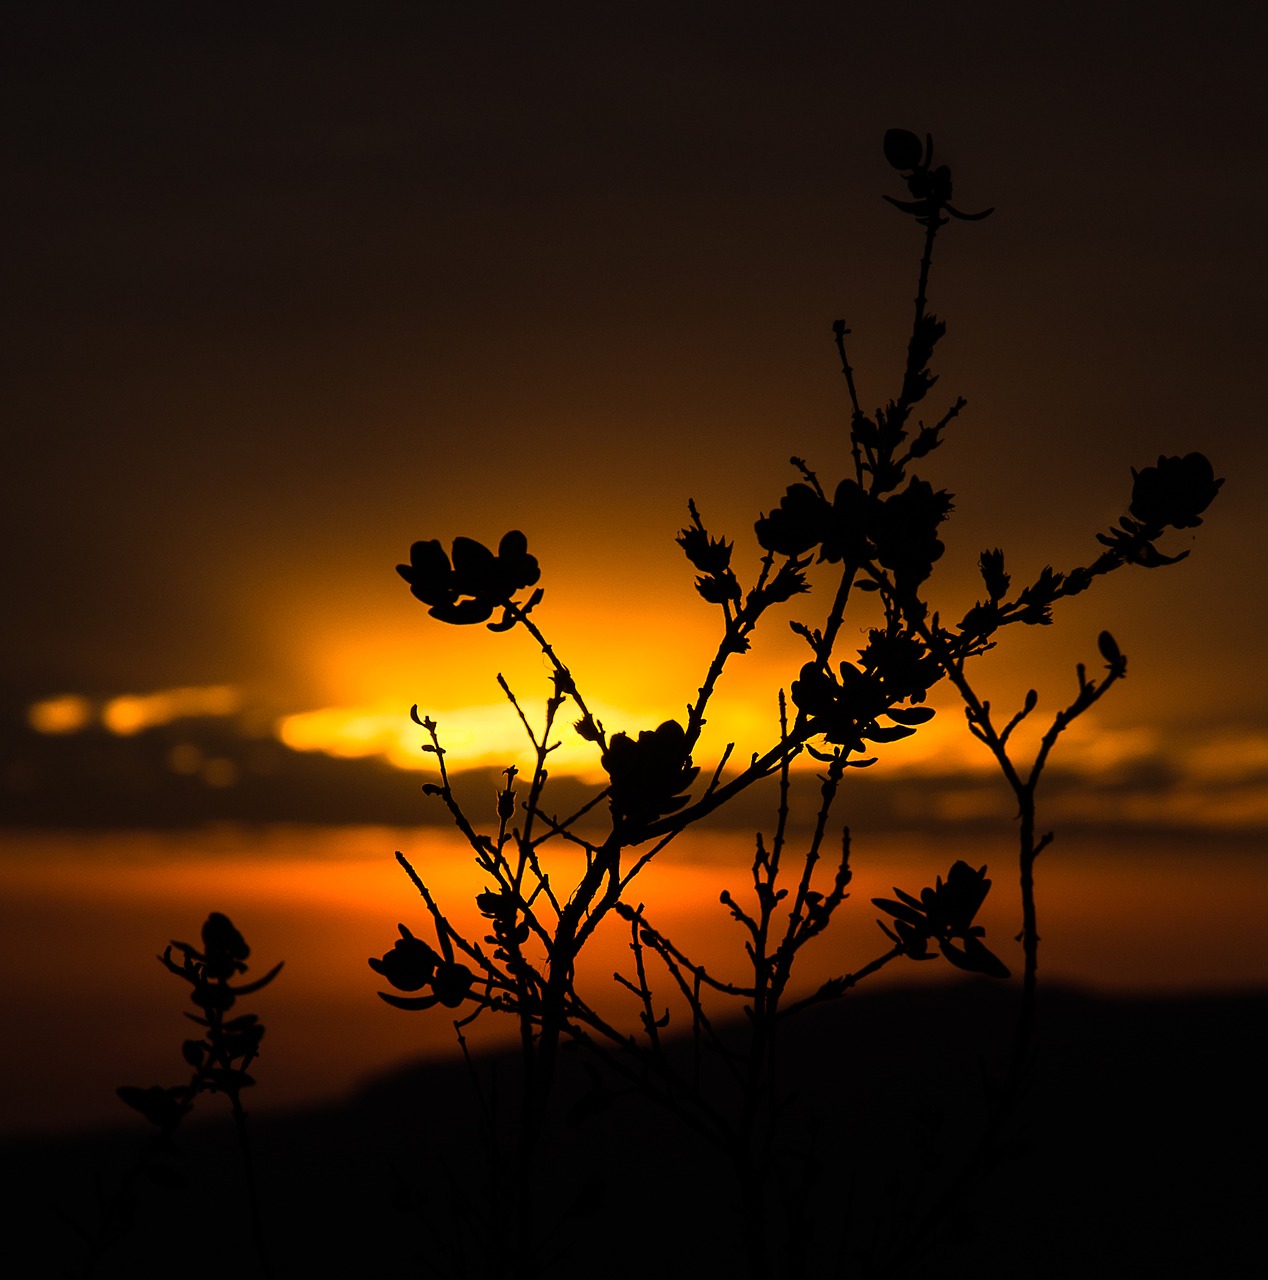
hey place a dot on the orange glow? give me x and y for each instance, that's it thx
(97, 909)
(348, 732)
(131, 713)
(647, 656)
(185, 759)
(1128, 775)
(219, 772)
(635, 666)
(67, 713)
(1228, 756)
(490, 736)
(639, 651)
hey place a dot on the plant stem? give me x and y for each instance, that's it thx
(252, 1189)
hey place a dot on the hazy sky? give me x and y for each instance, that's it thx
(290, 286)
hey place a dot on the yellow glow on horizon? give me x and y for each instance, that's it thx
(634, 671)
(488, 736)
(633, 679)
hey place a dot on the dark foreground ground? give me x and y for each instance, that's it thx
(1139, 1153)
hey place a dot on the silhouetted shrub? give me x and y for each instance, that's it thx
(874, 533)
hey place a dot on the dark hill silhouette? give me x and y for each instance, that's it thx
(1139, 1154)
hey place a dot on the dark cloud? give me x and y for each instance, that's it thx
(194, 770)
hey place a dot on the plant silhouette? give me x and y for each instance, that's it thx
(864, 539)
(861, 540)
(220, 1060)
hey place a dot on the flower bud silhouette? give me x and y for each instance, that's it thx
(845, 712)
(944, 914)
(930, 188)
(409, 965)
(709, 555)
(650, 775)
(903, 149)
(225, 948)
(475, 583)
(905, 532)
(801, 521)
(1175, 492)
(991, 564)
(451, 984)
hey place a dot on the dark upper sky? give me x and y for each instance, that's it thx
(289, 286)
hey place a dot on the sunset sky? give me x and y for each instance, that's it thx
(289, 286)
(287, 292)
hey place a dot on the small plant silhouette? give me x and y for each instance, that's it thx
(868, 538)
(220, 1060)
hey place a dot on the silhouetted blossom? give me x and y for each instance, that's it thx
(903, 149)
(451, 983)
(800, 522)
(789, 581)
(805, 519)
(719, 590)
(207, 971)
(502, 909)
(944, 914)
(929, 187)
(217, 996)
(1035, 601)
(241, 1036)
(905, 532)
(1076, 580)
(822, 696)
(506, 796)
(709, 555)
(902, 663)
(1172, 494)
(845, 712)
(846, 537)
(410, 964)
(712, 556)
(1175, 492)
(477, 582)
(225, 949)
(986, 615)
(991, 563)
(649, 775)
(980, 620)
